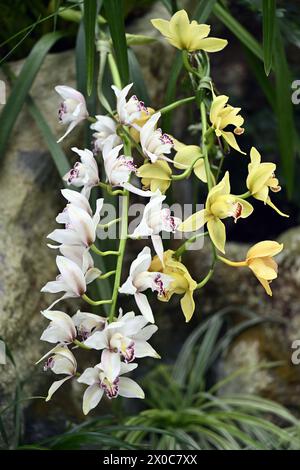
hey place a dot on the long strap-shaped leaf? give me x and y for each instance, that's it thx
(22, 86)
(89, 19)
(115, 18)
(269, 18)
(203, 10)
(59, 158)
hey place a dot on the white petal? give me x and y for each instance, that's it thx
(72, 275)
(144, 349)
(91, 398)
(111, 364)
(130, 389)
(97, 340)
(92, 274)
(83, 224)
(158, 247)
(54, 287)
(146, 333)
(89, 376)
(55, 386)
(144, 306)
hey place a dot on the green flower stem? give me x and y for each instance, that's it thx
(106, 275)
(179, 252)
(133, 142)
(204, 148)
(109, 224)
(91, 119)
(109, 189)
(244, 195)
(206, 279)
(187, 172)
(81, 345)
(122, 244)
(187, 65)
(95, 302)
(104, 253)
(176, 104)
(114, 70)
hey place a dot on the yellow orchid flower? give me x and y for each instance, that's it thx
(188, 36)
(155, 176)
(260, 260)
(185, 156)
(222, 115)
(183, 283)
(220, 204)
(144, 116)
(261, 178)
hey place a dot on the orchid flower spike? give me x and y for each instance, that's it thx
(73, 108)
(72, 279)
(154, 143)
(127, 336)
(155, 219)
(84, 173)
(105, 127)
(60, 361)
(105, 378)
(140, 279)
(131, 110)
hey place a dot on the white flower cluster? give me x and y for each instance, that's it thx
(123, 339)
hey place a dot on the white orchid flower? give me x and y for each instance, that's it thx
(105, 127)
(154, 143)
(72, 279)
(128, 111)
(87, 323)
(73, 108)
(105, 378)
(128, 336)
(81, 227)
(118, 168)
(140, 279)
(78, 200)
(61, 328)
(60, 361)
(154, 220)
(84, 173)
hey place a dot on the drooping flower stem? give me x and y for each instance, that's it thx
(103, 253)
(175, 104)
(206, 278)
(95, 302)
(106, 275)
(122, 244)
(187, 172)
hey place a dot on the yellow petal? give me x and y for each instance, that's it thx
(179, 29)
(247, 208)
(264, 248)
(259, 176)
(159, 170)
(264, 268)
(186, 154)
(255, 156)
(200, 171)
(218, 103)
(188, 305)
(270, 203)
(194, 222)
(217, 233)
(266, 286)
(162, 26)
(221, 189)
(210, 44)
(231, 140)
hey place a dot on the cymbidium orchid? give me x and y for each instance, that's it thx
(223, 115)
(118, 168)
(61, 328)
(219, 205)
(186, 35)
(140, 279)
(85, 173)
(73, 108)
(259, 259)
(261, 179)
(105, 127)
(155, 176)
(156, 219)
(87, 323)
(80, 226)
(185, 155)
(106, 378)
(131, 110)
(137, 124)
(182, 282)
(128, 336)
(60, 361)
(72, 279)
(155, 144)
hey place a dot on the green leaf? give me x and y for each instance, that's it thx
(59, 158)
(114, 12)
(23, 84)
(203, 10)
(269, 18)
(258, 70)
(171, 89)
(238, 30)
(285, 117)
(137, 78)
(89, 19)
(139, 39)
